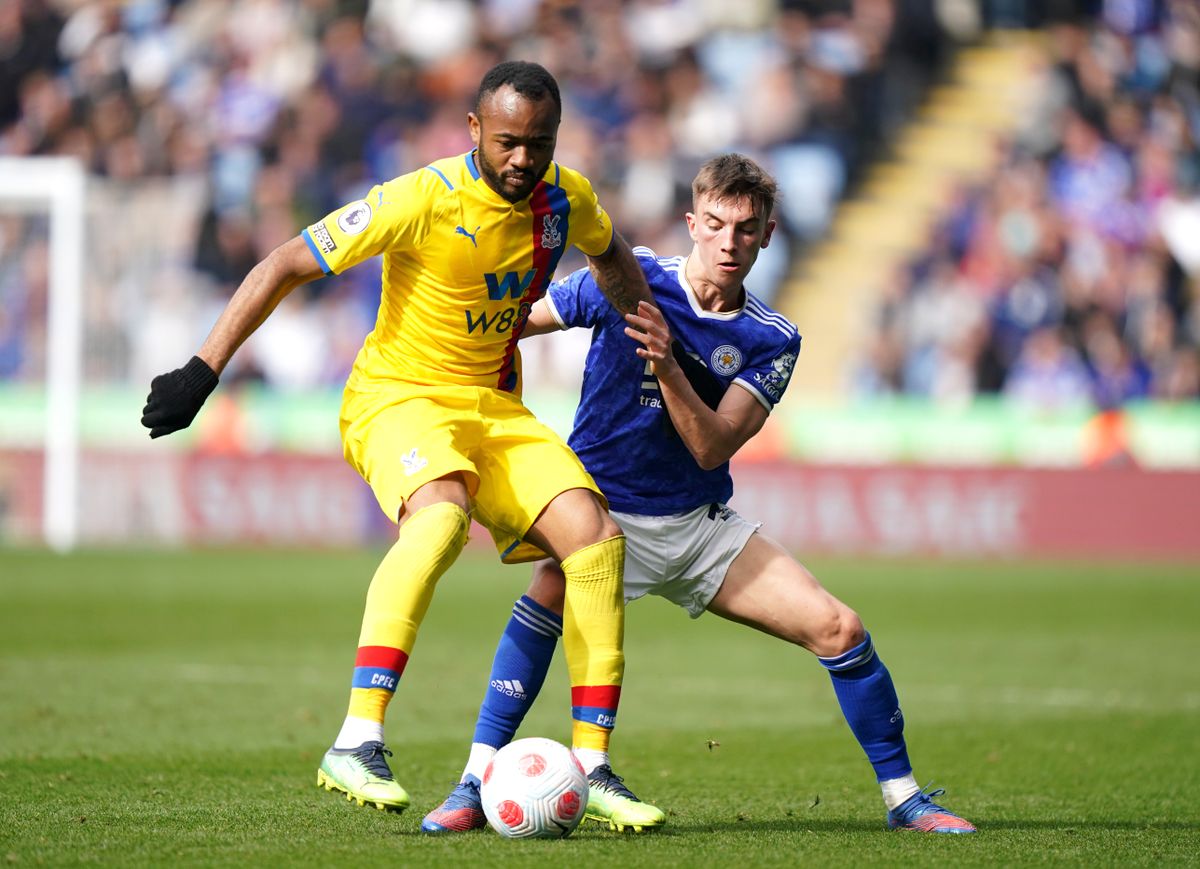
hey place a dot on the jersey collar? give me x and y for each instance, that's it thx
(550, 176)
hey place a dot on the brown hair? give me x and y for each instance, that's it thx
(733, 176)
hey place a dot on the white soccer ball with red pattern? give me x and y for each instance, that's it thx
(534, 788)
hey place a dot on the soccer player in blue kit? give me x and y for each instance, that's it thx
(656, 426)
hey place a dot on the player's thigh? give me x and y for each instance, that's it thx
(534, 494)
(410, 445)
(766, 588)
(682, 558)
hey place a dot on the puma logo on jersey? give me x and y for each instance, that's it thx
(461, 230)
(413, 462)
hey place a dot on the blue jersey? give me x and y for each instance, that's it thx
(622, 431)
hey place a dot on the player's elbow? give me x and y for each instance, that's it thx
(719, 449)
(710, 459)
(290, 264)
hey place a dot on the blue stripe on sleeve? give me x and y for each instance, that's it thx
(316, 251)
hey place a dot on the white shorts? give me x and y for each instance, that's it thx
(683, 558)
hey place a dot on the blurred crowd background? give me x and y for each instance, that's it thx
(215, 130)
(1069, 275)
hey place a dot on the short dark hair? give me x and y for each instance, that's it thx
(732, 176)
(531, 80)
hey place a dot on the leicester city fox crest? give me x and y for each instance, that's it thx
(551, 237)
(726, 360)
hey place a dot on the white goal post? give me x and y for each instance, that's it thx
(55, 185)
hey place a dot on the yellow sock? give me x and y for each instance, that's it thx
(593, 637)
(591, 736)
(397, 601)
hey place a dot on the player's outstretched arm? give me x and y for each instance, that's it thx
(268, 283)
(619, 276)
(540, 320)
(177, 396)
(712, 436)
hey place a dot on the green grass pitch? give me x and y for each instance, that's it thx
(171, 709)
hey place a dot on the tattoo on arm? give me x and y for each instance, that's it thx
(620, 278)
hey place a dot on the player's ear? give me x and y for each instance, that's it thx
(690, 218)
(766, 239)
(474, 126)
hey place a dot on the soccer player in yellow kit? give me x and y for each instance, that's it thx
(431, 415)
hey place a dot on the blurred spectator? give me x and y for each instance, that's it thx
(1082, 243)
(29, 32)
(216, 129)
(284, 109)
(1048, 375)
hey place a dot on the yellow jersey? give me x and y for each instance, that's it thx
(461, 268)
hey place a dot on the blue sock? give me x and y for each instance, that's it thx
(518, 671)
(868, 699)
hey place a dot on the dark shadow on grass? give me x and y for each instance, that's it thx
(1080, 826)
(786, 825)
(791, 825)
(779, 825)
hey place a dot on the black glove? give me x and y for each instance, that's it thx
(177, 396)
(708, 386)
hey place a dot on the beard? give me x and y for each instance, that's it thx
(501, 182)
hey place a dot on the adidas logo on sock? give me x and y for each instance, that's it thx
(510, 688)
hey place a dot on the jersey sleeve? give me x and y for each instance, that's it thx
(767, 377)
(576, 300)
(394, 215)
(591, 228)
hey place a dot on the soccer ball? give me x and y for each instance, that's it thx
(534, 788)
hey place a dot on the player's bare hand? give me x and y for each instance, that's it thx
(649, 328)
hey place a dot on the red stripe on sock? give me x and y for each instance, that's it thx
(381, 656)
(602, 696)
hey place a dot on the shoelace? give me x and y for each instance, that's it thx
(464, 796)
(603, 776)
(930, 794)
(372, 757)
(926, 803)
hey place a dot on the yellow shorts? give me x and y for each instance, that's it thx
(401, 436)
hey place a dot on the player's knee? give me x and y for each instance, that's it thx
(574, 520)
(840, 631)
(548, 586)
(595, 524)
(608, 528)
(442, 526)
